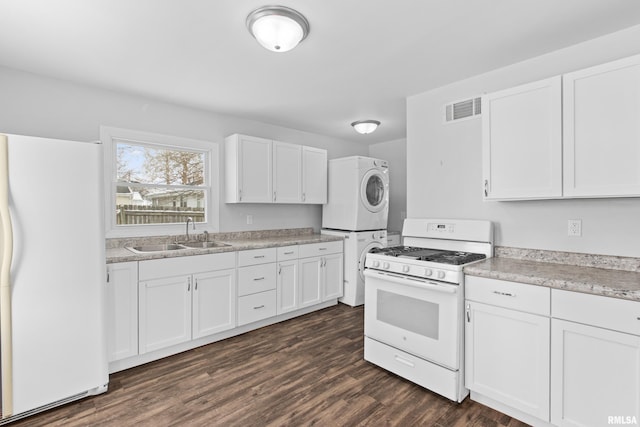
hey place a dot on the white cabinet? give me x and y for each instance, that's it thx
(507, 344)
(314, 175)
(287, 172)
(122, 310)
(165, 312)
(522, 141)
(259, 170)
(595, 359)
(575, 135)
(288, 291)
(256, 285)
(601, 131)
(185, 298)
(321, 272)
(248, 169)
(214, 302)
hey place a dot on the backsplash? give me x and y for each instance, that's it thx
(237, 235)
(570, 258)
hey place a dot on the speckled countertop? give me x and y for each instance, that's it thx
(116, 250)
(594, 274)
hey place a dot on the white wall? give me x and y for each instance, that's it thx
(39, 106)
(445, 173)
(395, 152)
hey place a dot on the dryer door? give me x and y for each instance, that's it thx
(373, 190)
(363, 256)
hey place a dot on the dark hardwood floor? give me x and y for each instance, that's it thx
(306, 371)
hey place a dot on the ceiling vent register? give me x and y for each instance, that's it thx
(460, 110)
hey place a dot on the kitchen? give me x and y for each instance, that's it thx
(451, 158)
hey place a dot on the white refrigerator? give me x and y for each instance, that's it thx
(53, 274)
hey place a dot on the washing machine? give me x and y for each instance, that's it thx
(357, 245)
(358, 194)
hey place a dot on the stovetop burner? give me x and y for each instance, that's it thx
(434, 255)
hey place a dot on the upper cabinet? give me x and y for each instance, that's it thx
(314, 175)
(575, 135)
(602, 130)
(259, 170)
(522, 141)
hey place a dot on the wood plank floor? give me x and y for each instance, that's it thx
(306, 371)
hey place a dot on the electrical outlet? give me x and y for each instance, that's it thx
(575, 227)
(249, 219)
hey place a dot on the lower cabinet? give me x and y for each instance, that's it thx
(507, 357)
(552, 356)
(182, 307)
(321, 272)
(595, 371)
(213, 302)
(256, 285)
(122, 310)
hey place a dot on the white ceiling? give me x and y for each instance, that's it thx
(360, 61)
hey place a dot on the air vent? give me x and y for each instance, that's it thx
(466, 109)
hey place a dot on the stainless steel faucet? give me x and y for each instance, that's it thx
(194, 226)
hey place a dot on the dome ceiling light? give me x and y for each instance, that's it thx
(277, 28)
(365, 126)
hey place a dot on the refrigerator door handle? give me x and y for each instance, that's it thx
(6, 346)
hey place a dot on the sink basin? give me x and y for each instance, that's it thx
(156, 248)
(205, 245)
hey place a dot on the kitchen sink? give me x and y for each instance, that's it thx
(205, 245)
(156, 248)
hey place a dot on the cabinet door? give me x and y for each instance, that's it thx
(165, 312)
(333, 276)
(214, 302)
(507, 357)
(254, 169)
(601, 131)
(314, 175)
(310, 281)
(287, 172)
(595, 375)
(522, 142)
(287, 286)
(122, 310)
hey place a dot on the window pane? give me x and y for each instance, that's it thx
(149, 165)
(158, 205)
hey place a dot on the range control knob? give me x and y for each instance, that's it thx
(440, 274)
(376, 264)
(428, 272)
(385, 265)
(405, 268)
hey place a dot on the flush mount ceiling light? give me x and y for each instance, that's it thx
(277, 28)
(365, 126)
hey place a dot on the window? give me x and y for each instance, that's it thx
(156, 182)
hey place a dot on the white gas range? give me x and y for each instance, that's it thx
(414, 301)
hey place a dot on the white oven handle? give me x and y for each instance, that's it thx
(411, 281)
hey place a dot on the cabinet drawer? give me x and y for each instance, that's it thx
(256, 278)
(516, 296)
(286, 253)
(178, 266)
(605, 312)
(256, 256)
(319, 249)
(252, 308)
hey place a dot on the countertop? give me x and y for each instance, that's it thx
(241, 243)
(592, 280)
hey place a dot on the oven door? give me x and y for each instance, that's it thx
(415, 315)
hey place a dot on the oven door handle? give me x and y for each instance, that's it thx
(410, 281)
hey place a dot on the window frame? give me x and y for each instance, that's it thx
(110, 136)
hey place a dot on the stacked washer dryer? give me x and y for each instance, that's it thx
(357, 209)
